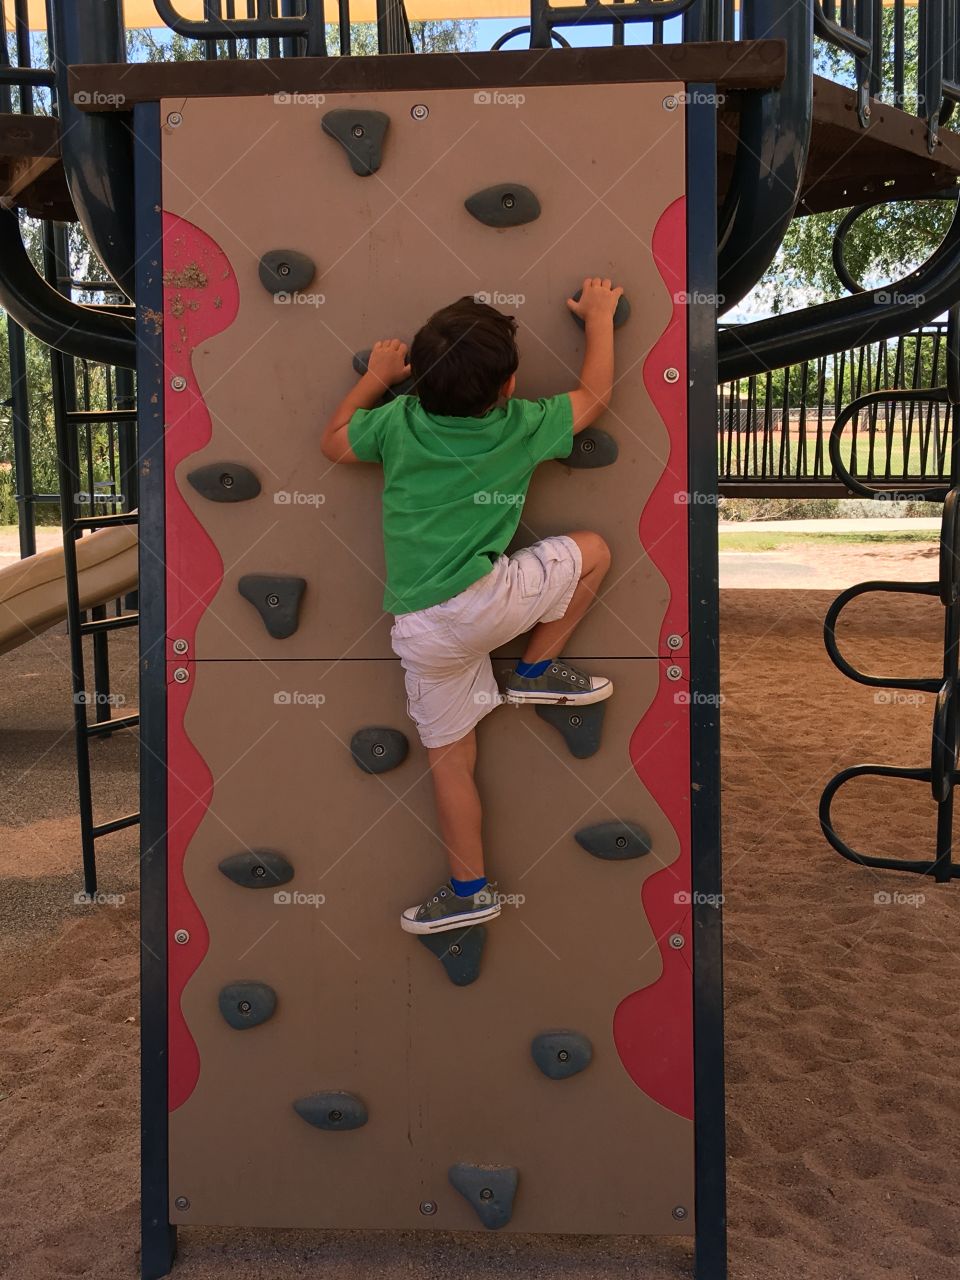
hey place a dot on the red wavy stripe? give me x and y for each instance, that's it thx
(201, 298)
(653, 1027)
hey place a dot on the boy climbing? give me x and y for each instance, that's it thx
(457, 457)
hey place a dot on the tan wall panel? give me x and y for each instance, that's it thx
(390, 249)
(364, 1007)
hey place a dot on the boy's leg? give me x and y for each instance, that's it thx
(547, 639)
(458, 805)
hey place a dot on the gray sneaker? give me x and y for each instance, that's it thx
(560, 684)
(446, 911)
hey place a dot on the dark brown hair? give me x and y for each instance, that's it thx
(462, 357)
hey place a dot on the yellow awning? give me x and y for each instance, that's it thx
(142, 13)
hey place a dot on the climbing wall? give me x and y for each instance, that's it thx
(325, 1068)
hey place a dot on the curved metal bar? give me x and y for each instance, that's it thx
(859, 43)
(943, 751)
(545, 16)
(771, 156)
(96, 150)
(91, 333)
(310, 25)
(862, 859)
(924, 685)
(919, 395)
(853, 216)
(519, 31)
(846, 322)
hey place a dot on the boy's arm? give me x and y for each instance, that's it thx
(596, 305)
(386, 367)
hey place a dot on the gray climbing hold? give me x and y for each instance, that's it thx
(615, 841)
(404, 388)
(377, 749)
(508, 204)
(620, 316)
(489, 1189)
(225, 482)
(581, 728)
(560, 1054)
(256, 869)
(332, 1111)
(361, 134)
(286, 271)
(247, 1004)
(591, 448)
(459, 953)
(276, 597)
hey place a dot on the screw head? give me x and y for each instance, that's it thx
(420, 111)
(181, 936)
(486, 1194)
(174, 119)
(508, 200)
(181, 675)
(456, 949)
(677, 941)
(674, 673)
(245, 1006)
(379, 749)
(283, 268)
(179, 383)
(576, 721)
(273, 601)
(670, 103)
(335, 1117)
(867, 111)
(671, 374)
(357, 131)
(621, 842)
(226, 480)
(182, 1202)
(679, 1213)
(259, 872)
(674, 642)
(587, 446)
(180, 646)
(562, 1055)
(428, 1207)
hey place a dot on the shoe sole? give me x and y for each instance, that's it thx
(454, 922)
(518, 698)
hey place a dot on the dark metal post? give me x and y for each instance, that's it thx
(22, 454)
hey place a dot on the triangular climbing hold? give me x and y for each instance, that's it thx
(581, 727)
(361, 134)
(459, 953)
(489, 1189)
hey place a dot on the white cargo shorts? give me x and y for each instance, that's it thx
(445, 650)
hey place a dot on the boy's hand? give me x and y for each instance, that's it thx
(598, 300)
(388, 361)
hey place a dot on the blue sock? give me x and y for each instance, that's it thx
(530, 670)
(467, 888)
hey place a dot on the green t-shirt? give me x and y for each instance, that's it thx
(453, 488)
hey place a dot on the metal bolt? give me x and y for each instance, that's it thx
(671, 374)
(259, 872)
(420, 112)
(576, 721)
(674, 673)
(486, 1194)
(335, 1117)
(670, 104)
(178, 383)
(273, 601)
(181, 675)
(182, 1202)
(587, 446)
(677, 941)
(174, 119)
(867, 111)
(508, 200)
(456, 949)
(180, 646)
(679, 1213)
(379, 749)
(428, 1207)
(674, 642)
(245, 1006)
(621, 842)
(181, 936)
(283, 268)
(563, 1055)
(358, 130)
(227, 480)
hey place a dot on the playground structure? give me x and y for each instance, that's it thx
(247, 631)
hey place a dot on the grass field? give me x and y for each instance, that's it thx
(774, 541)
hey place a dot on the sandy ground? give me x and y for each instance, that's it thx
(842, 1021)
